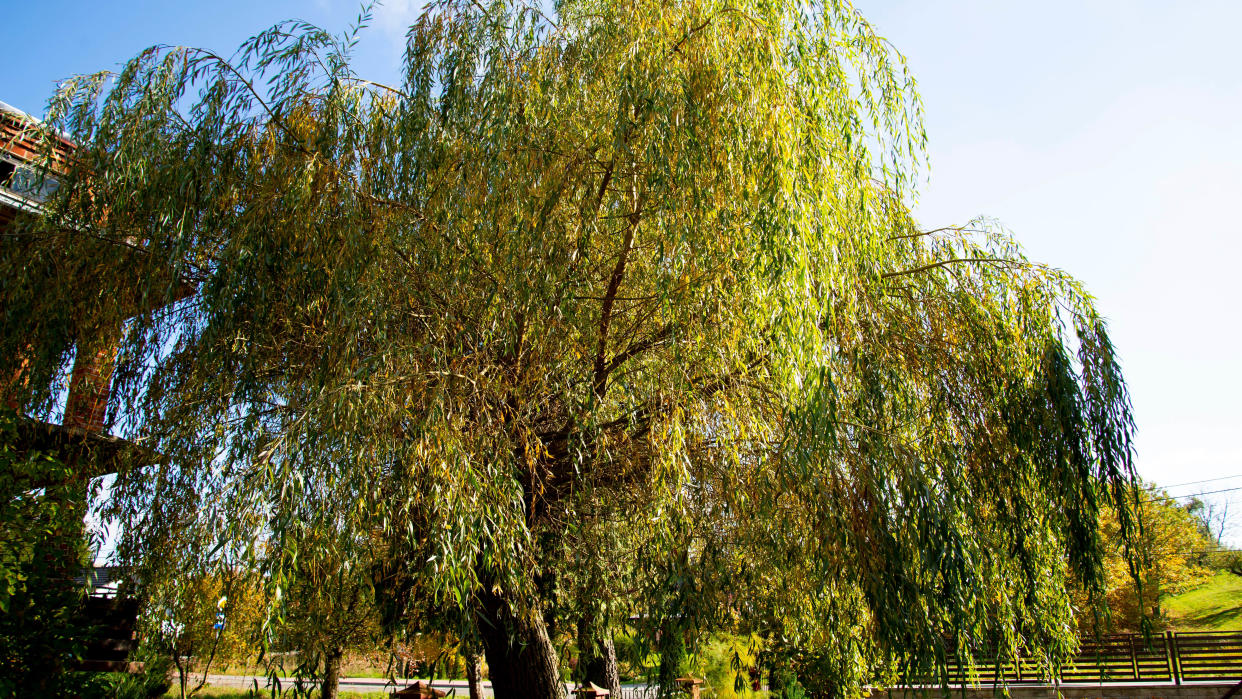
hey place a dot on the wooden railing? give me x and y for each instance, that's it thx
(1171, 657)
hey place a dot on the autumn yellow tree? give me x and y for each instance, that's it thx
(1170, 550)
(205, 621)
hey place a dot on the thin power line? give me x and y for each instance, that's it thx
(1205, 480)
(1190, 495)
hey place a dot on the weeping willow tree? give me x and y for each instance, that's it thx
(647, 253)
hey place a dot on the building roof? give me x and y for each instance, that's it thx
(24, 184)
(102, 580)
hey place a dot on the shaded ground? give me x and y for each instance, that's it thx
(1216, 606)
(227, 693)
(238, 686)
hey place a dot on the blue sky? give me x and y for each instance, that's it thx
(1104, 134)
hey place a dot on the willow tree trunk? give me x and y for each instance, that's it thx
(674, 659)
(597, 655)
(474, 674)
(331, 674)
(521, 660)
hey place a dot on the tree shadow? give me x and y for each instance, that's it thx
(1216, 616)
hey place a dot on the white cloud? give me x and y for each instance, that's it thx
(394, 17)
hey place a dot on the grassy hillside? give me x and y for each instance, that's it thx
(1216, 606)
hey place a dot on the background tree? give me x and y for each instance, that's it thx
(181, 618)
(1213, 515)
(650, 248)
(1171, 559)
(327, 610)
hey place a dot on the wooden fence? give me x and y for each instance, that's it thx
(1171, 657)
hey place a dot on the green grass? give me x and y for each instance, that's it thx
(1215, 606)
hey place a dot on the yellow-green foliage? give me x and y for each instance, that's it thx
(180, 613)
(657, 253)
(1170, 562)
(722, 661)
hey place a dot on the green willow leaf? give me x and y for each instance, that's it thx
(619, 311)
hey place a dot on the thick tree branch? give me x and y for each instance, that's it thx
(638, 348)
(600, 383)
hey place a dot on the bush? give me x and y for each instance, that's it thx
(787, 686)
(42, 546)
(154, 680)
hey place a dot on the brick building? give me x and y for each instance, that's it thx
(81, 441)
(22, 193)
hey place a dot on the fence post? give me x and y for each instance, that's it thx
(1175, 661)
(1134, 666)
(1168, 655)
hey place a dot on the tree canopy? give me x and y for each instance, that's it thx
(645, 268)
(1173, 554)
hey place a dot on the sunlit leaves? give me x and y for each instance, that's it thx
(643, 259)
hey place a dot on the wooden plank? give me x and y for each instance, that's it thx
(1191, 641)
